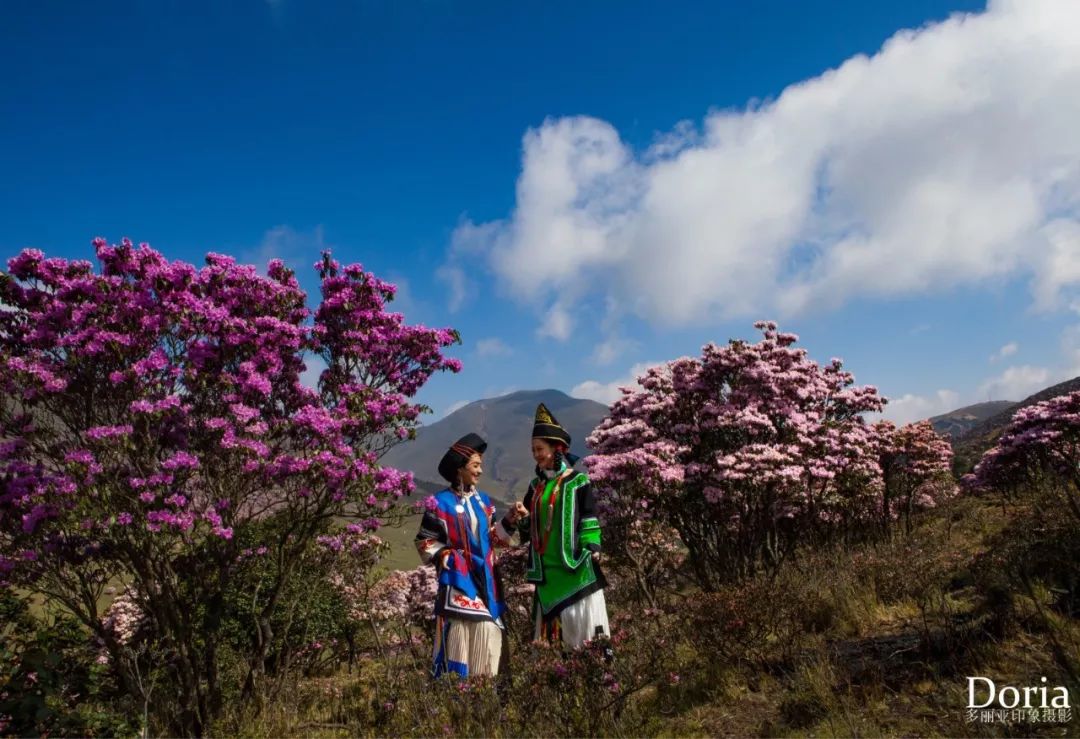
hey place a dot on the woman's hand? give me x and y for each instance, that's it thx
(518, 512)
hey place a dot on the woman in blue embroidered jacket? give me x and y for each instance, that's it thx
(457, 535)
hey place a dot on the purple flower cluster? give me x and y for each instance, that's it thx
(167, 398)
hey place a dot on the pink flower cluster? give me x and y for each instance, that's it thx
(1041, 442)
(406, 596)
(744, 451)
(916, 465)
(124, 618)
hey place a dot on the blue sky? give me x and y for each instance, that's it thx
(587, 188)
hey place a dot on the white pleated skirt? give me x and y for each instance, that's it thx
(579, 622)
(475, 646)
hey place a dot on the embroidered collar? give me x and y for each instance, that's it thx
(464, 494)
(552, 474)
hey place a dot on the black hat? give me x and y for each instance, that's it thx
(546, 427)
(458, 456)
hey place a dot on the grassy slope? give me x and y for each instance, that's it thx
(898, 667)
(882, 650)
(402, 554)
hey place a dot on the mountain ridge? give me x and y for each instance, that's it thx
(970, 447)
(505, 422)
(956, 423)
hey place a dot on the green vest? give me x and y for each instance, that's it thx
(565, 566)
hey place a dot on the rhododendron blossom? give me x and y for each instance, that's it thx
(744, 451)
(163, 403)
(916, 463)
(1040, 447)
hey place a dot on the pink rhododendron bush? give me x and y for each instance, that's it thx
(916, 470)
(398, 607)
(405, 596)
(1040, 450)
(749, 452)
(156, 432)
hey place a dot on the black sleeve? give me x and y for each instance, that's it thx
(431, 539)
(523, 528)
(586, 523)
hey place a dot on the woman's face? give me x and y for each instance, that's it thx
(472, 471)
(544, 454)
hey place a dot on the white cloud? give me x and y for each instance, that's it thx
(908, 408)
(947, 158)
(468, 244)
(1017, 383)
(1070, 349)
(611, 349)
(1006, 351)
(454, 277)
(1058, 264)
(493, 347)
(608, 392)
(557, 324)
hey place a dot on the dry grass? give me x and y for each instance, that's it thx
(868, 641)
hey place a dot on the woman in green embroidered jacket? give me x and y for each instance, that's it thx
(558, 521)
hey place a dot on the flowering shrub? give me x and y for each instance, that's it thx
(313, 632)
(646, 552)
(124, 623)
(51, 683)
(124, 618)
(1039, 449)
(746, 452)
(1036, 462)
(916, 462)
(510, 565)
(545, 692)
(155, 413)
(405, 595)
(394, 605)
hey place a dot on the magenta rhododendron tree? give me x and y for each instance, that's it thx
(1040, 449)
(154, 417)
(916, 465)
(747, 452)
